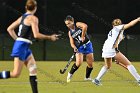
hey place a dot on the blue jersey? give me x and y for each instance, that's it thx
(24, 30)
(86, 46)
(76, 35)
(23, 42)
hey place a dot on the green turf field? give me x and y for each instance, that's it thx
(117, 80)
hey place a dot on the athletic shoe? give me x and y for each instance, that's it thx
(69, 77)
(97, 82)
(87, 79)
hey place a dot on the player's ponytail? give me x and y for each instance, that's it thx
(116, 22)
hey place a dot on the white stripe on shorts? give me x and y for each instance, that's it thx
(23, 39)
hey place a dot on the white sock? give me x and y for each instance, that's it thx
(133, 71)
(102, 72)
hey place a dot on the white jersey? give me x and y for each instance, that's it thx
(114, 36)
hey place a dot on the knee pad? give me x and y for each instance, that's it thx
(32, 69)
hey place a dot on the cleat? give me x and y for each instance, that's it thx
(69, 77)
(87, 79)
(97, 82)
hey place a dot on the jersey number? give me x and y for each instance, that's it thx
(78, 39)
(110, 33)
(20, 28)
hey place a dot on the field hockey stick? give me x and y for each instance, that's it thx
(122, 65)
(70, 60)
(66, 67)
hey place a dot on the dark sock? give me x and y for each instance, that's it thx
(33, 82)
(88, 72)
(4, 74)
(73, 69)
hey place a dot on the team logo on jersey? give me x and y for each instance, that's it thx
(76, 33)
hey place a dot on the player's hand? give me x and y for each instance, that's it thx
(75, 49)
(82, 39)
(54, 37)
(138, 18)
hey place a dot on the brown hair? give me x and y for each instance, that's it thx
(116, 22)
(31, 5)
(69, 17)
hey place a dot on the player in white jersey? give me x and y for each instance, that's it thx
(110, 50)
(114, 38)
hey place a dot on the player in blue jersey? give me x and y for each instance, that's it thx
(81, 44)
(28, 29)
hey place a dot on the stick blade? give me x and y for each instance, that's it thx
(62, 72)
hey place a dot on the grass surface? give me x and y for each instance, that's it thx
(117, 80)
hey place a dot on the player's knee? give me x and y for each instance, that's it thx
(33, 69)
(108, 66)
(15, 74)
(90, 65)
(78, 64)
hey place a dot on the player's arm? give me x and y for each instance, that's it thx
(132, 23)
(37, 34)
(72, 43)
(84, 27)
(11, 28)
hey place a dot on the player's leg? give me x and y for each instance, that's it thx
(89, 68)
(18, 64)
(108, 62)
(104, 69)
(79, 60)
(31, 65)
(123, 60)
(117, 62)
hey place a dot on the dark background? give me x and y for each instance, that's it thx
(97, 14)
(52, 13)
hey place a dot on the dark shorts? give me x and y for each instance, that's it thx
(21, 50)
(86, 48)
